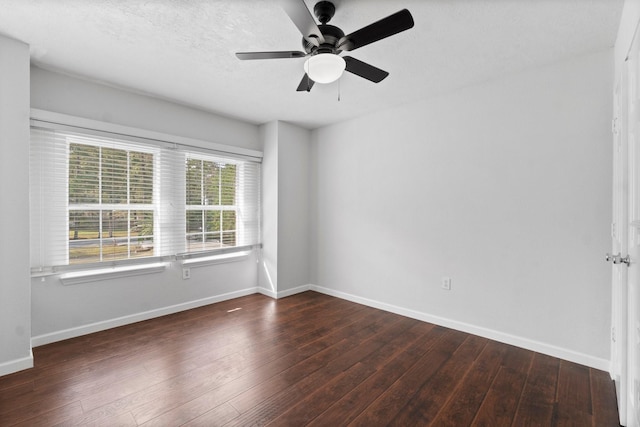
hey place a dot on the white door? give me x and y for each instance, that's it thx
(633, 241)
(626, 241)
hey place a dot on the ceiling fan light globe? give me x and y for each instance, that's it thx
(324, 67)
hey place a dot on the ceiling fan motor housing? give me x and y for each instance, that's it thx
(331, 34)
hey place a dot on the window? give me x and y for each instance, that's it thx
(211, 204)
(98, 198)
(110, 203)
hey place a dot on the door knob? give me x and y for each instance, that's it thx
(617, 259)
(622, 260)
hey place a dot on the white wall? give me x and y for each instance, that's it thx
(63, 311)
(15, 293)
(503, 186)
(268, 271)
(293, 206)
(64, 94)
(285, 227)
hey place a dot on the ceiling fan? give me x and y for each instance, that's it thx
(324, 43)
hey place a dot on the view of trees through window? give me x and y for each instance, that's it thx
(211, 204)
(110, 203)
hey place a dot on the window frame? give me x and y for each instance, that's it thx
(102, 207)
(204, 207)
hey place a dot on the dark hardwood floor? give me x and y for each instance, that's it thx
(306, 359)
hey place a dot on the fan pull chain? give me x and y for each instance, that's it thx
(339, 90)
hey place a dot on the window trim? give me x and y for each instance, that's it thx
(216, 259)
(94, 275)
(58, 121)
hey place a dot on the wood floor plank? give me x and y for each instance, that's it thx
(574, 387)
(307, 366)
(263, 410)
(217, 416)
(308, 359)
(392, 400)
(463, 404)
(202, 409)
(39, 409)
(252, 378)
(518, 359)
(536, 406)
(38, 416)
(22, 380)
(499, 405)
(317, 402)
(353, 403)
(161, 397)
(424, 406)
(603, 394)
(565, 415)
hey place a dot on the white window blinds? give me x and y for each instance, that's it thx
(98, 198)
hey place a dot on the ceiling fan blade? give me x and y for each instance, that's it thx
(302, 18)
(305, 84)
(270, 55)
(392, 24)
(364, 70)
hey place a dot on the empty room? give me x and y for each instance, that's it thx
(293, 212)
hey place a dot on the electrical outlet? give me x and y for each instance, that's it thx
(186, 273)
(446, 283)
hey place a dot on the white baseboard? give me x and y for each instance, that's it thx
(137, 317)
(16, 365)
(267, 292)
(285, 293)
(537, 346)
(289, 292)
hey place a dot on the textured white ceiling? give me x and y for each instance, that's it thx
(184, 50)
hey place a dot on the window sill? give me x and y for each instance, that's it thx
(216, 259)
(85, 276)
